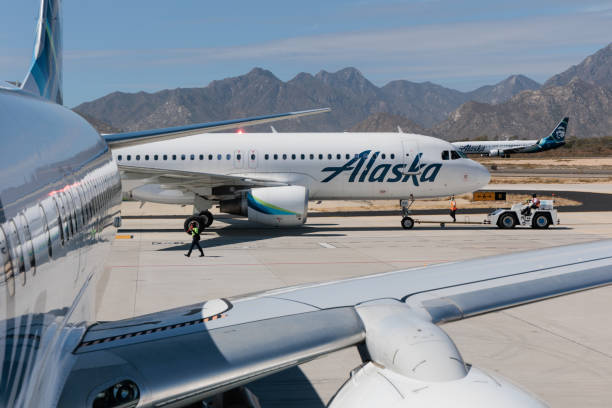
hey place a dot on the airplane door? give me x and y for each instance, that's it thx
(238, 159)
(253, 159)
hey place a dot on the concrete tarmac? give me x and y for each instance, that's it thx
(560, 349)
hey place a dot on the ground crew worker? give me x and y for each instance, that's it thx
(453, 208)
(195, 239)
(534, 203)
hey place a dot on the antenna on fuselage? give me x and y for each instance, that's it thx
(273, 129)
(399, 129)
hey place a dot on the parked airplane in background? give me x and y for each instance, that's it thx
(269, 177)
(59, 206)
(506, 148)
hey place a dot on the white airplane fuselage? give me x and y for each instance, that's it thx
(330, 165)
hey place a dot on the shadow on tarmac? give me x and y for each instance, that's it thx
(289, 388)
(245, 232)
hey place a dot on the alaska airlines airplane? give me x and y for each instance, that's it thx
(60, 194)
(506, 148)
(269, 177)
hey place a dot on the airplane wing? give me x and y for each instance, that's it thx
(186, 354)
(145, 136)
(191, 181)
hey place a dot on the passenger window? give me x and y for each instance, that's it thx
(284, 157)
(348, 156)
(155, 157)
(252, 157)
(137, 157)
(329, 156)
(146, 157)
(320, 156)
(311, 156)
(266, 156)
(455, 155)
(182, 157)
(338, 156)
(275, 156)
(174, 157)
(119, 157)
(392, 156)
(219, 157)
(6, 264)
(201, 157)
(293, 157)
(129, 157)
(445, 155)
(238, 156)
(383, 156)
(210, 157)
(165, 157)
(302, 156)
(228, 156)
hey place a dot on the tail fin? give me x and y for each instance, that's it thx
(45, 76)
(558, 134)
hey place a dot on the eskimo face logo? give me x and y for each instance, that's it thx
(559, 134)
(386, 172)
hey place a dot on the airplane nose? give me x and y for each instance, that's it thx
(481, 175)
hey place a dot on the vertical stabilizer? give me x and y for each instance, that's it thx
(45, 76)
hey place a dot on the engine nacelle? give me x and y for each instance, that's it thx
(416, 364)
(278, 206)
(373, 385)
(498, 153)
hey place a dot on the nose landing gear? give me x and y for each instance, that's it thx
(407, 221)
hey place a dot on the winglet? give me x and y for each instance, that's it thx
(45, 75)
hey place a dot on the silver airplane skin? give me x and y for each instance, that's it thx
(60, 196)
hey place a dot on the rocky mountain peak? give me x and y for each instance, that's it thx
(596, 69)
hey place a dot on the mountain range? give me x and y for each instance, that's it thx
(514, 107)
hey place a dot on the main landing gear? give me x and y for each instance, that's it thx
(407, 221)
(202, 220)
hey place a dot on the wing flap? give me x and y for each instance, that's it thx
(178, 370)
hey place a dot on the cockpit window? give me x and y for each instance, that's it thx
(445, 155)
(455, 155)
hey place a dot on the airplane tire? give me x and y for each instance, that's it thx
(507, 221)
(407, 223)
(207, 217)
(194, 218)
(541, 221)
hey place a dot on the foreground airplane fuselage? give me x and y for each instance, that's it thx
(330, 165)
(59, 193)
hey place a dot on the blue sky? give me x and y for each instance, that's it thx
(134, 45)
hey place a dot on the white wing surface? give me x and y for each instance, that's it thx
(189, 353)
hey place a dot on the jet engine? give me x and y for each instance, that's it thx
(497, 153)
(414, 363)
(277, 206)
